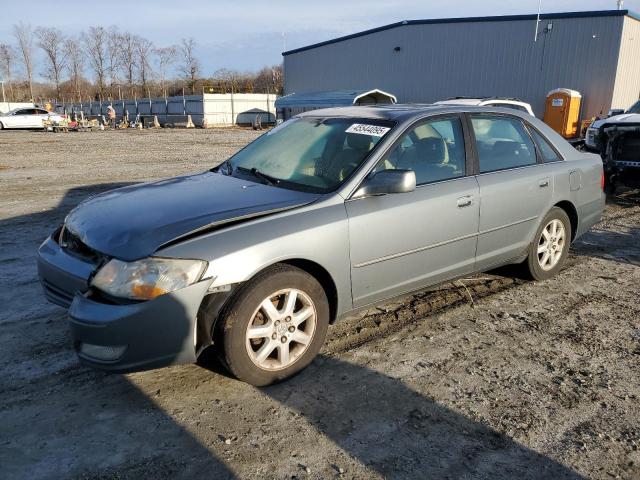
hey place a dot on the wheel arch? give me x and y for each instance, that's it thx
(571, 211)
(213, 306)
(323, 277)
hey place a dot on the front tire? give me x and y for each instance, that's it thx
(550, 246)
(275, 326)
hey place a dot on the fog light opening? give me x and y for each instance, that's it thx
(105, 353)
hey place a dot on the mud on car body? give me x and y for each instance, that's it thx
(333, 211)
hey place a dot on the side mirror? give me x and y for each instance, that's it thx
(615, 111)
(387, 181)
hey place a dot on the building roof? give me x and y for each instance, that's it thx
(334, 98)
(499, 18)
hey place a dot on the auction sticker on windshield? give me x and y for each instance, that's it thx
(363, 129)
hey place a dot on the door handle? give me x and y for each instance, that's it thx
(544, 183)
(465, 201)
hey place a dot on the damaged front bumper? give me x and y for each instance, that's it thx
(621, 155)
(120, 337)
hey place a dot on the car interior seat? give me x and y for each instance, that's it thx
(503, 154)
(429, 159)
(356, 148)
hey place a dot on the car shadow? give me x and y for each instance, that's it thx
(59, 419)
(398, 432)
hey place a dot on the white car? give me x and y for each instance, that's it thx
(512, 103)
(31, 117)
(629, 118)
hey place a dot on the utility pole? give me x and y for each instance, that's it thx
(3, 97)
(535, 37)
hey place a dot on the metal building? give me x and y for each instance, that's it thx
(596, 53)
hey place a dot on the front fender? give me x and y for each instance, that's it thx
(316, 233)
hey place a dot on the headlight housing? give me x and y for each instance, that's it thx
(147, 278)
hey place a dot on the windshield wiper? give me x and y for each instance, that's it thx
(258, 174)
(225, 168)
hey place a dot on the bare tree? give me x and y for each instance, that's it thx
(128, 58)
(75, 64)
(144, 50)
(227, 79)
(165, 57)
(190, 65)
(7, 60)
(23, 34)
(51, 41)
(113, 56)
(95, 42)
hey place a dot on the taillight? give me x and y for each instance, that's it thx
(602, 180)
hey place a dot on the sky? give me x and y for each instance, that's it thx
(247, 35)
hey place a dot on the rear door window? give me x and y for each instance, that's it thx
(502, 143)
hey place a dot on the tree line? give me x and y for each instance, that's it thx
(105, 63)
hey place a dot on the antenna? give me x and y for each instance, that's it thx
(535, 37)
(620, 4)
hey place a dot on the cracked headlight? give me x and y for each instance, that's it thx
(147, 278)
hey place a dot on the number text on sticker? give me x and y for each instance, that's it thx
(362, 129)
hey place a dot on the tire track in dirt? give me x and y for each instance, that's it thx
(350, 333)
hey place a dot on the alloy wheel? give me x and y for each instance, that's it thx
(281, 329)
(551, 244)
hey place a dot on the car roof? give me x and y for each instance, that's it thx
(400, 112)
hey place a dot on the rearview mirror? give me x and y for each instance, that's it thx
(615, 111)
(387, 181)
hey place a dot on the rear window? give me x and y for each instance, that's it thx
(512, 106)
(547, 152)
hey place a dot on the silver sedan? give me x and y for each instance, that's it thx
(333, 211)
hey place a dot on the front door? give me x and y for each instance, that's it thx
(20, 119)
(402, 242)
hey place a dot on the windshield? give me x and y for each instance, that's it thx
(635, 108)
(311, 154)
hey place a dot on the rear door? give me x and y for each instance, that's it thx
(515, 187)
(402, 242)
(30, 118)
(40, 116)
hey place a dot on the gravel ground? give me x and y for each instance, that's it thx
(490, 377)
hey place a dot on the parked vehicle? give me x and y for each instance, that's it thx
(32, 117)
(332, 211)
(617, 140)
(502, 102)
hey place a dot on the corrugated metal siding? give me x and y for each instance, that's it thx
(627, 86)
(437, 61)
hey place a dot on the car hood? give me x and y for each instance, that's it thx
(133, 222)
(618, 119)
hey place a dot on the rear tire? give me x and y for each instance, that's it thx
(550, 246)
(274, 327)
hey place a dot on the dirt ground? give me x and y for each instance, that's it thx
(490, 377)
